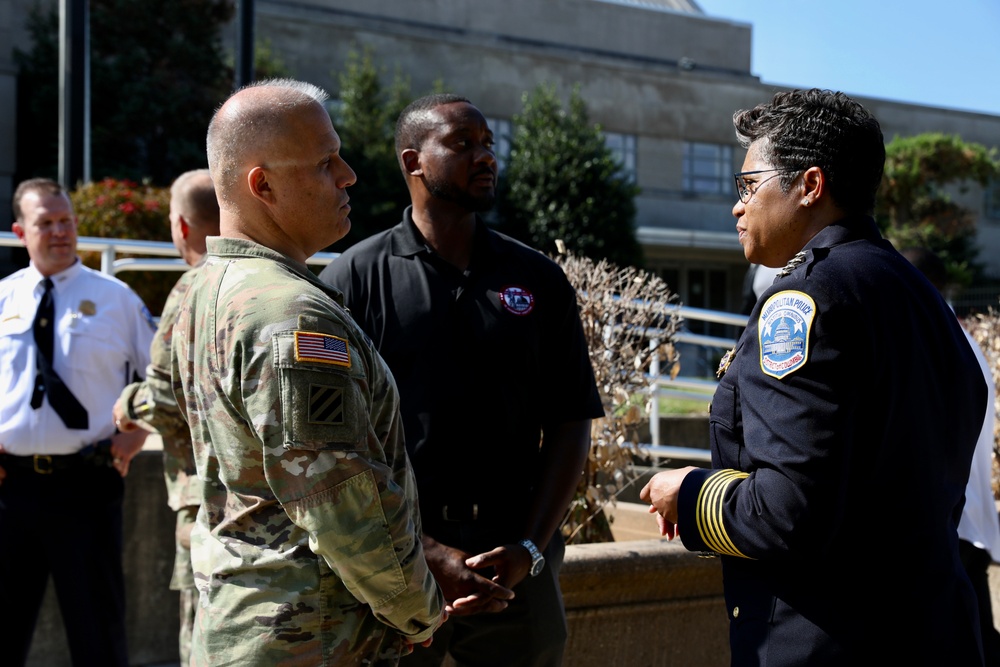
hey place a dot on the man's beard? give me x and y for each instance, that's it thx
(450, 192)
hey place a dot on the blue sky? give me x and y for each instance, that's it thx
(944, 54)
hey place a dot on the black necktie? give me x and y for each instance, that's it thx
(61, 398)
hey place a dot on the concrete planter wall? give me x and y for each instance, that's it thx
(643, 603)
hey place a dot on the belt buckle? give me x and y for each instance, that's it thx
(42, 470)
(475, 513)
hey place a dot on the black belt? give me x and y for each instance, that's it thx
(467, 511)
(96, 455)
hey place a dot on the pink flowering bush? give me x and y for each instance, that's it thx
(121, 209)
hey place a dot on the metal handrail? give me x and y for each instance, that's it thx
(669, 452)
(109, 248)
(681, 387)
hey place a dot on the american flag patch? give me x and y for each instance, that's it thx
(323, 348)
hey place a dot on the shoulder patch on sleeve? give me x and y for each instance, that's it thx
(326, 404)
(783, 331)
(322, 348)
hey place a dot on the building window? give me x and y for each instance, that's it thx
(708, 168)
(502, 133)
(992, 204)
(622, 147)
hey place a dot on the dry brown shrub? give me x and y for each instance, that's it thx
(622, 310)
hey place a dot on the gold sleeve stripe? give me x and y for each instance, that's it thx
(708, 512)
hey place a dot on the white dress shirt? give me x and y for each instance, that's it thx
(980, 524)
(102, 336)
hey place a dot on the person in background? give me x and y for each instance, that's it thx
(844, 423)
(979, 529)
(70, 340)
(306, 549)
(757, 279)
(194, 215)
(484, 338)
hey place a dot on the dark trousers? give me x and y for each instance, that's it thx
(67, 525)
(530, 632)
(977, 562)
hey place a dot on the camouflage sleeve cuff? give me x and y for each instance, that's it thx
(412, 603)
(126, 398)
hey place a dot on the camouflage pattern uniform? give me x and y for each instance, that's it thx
(152, 402)
(307, 547)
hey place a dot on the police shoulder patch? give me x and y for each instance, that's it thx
(783, 332)
(322, 348)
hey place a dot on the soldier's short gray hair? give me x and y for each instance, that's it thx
(236, 129)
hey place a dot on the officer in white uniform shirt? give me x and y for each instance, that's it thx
(70, 340)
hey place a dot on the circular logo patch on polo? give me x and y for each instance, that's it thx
(517, 300)
(783, 329)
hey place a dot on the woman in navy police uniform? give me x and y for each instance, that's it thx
(845, 420)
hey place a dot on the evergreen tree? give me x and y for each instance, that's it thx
(38, 99)
(267, 63)
(562, 182)
(365, 120)
(914, 207)
(157, 73)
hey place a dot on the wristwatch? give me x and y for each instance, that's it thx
(537, 559)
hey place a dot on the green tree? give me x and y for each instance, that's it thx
(157, 72)
(365, 119)
(38, 98)
(562, 182)
(267, 63)
(914, 207)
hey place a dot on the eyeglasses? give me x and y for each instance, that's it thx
(743, 190)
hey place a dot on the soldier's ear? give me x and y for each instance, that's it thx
(259, 186)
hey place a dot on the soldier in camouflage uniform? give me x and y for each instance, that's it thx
(194, 215)
(307, 547)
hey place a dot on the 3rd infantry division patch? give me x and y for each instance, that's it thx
(326, 405)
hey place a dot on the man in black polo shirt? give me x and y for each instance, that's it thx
(484, 339)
